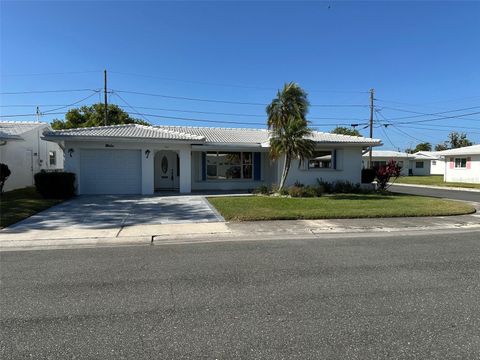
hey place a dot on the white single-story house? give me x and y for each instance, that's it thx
(437, 163)
(462, 164)
(26, 153)
(382, 157)
(138, 159)
(420, 163)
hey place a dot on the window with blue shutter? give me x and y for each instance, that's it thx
(257, 166)
(204, 166)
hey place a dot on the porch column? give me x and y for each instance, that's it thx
(148, 155)
(185, 156)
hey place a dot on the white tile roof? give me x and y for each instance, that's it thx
(467, 150)
(224, 135)
(14, 129)
(218, 135)
(388, 154)
(208, 135)
(128, 131)
(426, 155)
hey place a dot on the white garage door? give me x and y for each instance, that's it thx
(110, 171)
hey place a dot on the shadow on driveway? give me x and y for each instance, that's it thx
(112, 211)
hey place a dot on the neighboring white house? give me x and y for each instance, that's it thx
(462, 164)
(437, 163)
(25, 153)
(382, 157)
(420, 163)
(138, 159)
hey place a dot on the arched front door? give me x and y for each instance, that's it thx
(166, 170)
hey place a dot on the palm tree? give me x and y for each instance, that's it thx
(289, 127)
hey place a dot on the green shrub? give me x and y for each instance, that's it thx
(302, 191)
(284, 192)
(262, 189)
(55, 185)
(340, 187)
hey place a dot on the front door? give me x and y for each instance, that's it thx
(166, 177)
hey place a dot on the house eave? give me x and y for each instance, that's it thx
(120, 139)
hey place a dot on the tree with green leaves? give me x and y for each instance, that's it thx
(441, 147)
(289, 127)
(455, 140)
(426, 146)
(94, 115)
(342, 130)
(458, 140)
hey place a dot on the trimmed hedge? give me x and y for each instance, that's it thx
(55, 185)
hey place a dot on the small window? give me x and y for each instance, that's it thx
(419, 164)
(52, 158)
(321, 160)
(460, 162)
(434, 162)
(229, 165)
(378, 164)
(400, 163)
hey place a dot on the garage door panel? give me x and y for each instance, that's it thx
(110, 171)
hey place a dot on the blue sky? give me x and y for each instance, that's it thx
(421, 57)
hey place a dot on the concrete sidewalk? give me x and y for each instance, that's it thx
(221, 231)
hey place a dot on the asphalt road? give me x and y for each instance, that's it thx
(397, 297)
(449, 194)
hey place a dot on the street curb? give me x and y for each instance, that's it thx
(436, 187)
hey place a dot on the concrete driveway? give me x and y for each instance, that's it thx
(107, 216)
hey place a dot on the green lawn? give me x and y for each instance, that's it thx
(436, 180)
(19, 204)
(335, 206)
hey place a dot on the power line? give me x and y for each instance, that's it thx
(52, 73)
(25, 115)
(384, 132)
(427, 103)
(228, 85)
(44, 91)
(225, 101)
(134, 109)
(74, 103)
(348, 120)
(428, 114)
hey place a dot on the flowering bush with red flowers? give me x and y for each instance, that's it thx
(385, 173)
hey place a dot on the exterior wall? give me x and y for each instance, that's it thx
(420, 171)
(467, 175)
(268, 175)
(405, 167)
(27, 157)
(437, 168)
(349, 168)
(72, 163)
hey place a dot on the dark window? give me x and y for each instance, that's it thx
(460, 162)
(321, 160)
(52, 158)
(419, 164)
(229, 165)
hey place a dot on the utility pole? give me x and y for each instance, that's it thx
(105, 93)
(372, 92)
(38, 114)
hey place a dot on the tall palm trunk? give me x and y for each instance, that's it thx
(286, 169)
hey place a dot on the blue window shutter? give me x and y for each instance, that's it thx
(334, 159)
(204, 166)
(257, 166)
